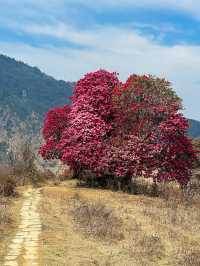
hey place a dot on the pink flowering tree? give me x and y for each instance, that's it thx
(55, 122)
(150, 133)
(121, 130)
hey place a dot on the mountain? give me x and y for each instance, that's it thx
(194, 130)
(26, 89)
(26, 94)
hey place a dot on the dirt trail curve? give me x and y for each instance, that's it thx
(23, 249)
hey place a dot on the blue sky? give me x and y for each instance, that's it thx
(67, 38)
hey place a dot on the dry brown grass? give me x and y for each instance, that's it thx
(95, 219)
(188, 257)
(61, 242)
(5, 213)
(145, 248)
(156, 230)
(9, 218)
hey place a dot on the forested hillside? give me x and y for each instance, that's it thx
(26, 94)
(26, 89)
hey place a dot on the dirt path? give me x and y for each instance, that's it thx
(23, 249)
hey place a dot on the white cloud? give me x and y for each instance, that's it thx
(116, 49)
(188, 6)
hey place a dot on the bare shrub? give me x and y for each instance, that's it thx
(47, 174)
(186, 196)
(96, 220)
(191, 194)
(22, 158)
(24, 165)
(7, 181)
(144, 186)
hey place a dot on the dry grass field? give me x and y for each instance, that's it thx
(82, 226)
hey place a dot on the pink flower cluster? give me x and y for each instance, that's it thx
(120, 129)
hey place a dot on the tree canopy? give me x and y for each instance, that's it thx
(121, 129)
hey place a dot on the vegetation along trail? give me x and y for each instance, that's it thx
(23, 249)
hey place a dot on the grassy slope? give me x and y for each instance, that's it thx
(156, 231)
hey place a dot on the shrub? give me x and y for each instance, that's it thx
(47, 174)
(96, 220)
(22, 158)
(7, 181)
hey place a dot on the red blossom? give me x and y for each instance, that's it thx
(126, 129)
